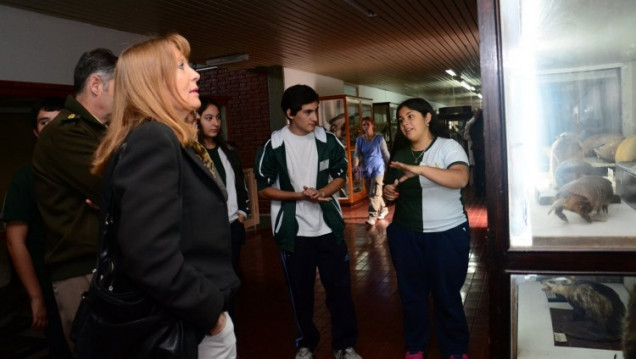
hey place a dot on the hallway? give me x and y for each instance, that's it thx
(264, 321)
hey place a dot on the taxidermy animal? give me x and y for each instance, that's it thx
(607, 151)
(571, 169)
(566, 146)
(594, 303)
(629, 330)
(595, 141)
(626, 151)
(583, 196)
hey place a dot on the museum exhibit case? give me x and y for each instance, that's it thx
(342, 115)
(385, 118)
(569, 316)
(559, 86)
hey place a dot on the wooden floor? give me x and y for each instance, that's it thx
(264, 322)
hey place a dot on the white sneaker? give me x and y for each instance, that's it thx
(371, 221)
(348, 353)
(383, 213)
(304, 353)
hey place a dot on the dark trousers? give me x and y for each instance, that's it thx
(332, 260)
(58, 349)
(237, 230)
(435, 264)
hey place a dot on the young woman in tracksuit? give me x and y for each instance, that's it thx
(429, 237)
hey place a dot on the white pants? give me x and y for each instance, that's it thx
(219, 346)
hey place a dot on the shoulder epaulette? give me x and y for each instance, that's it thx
(71, 117)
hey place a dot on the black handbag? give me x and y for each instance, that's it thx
(117, 320)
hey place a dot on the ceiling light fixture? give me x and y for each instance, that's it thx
(362, 9)
(227, 59)
(201, 68)
(451, 72)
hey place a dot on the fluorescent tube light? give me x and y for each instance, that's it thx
(451, 72)
(362, 9)
(227, 59)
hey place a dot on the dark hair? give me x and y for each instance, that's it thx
(296, 96)
(100, 60)
(46, 104)
(219, 139)
(422, 106)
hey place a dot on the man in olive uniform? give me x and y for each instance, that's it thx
(63, 182)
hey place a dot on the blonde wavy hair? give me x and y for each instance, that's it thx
(144, 89)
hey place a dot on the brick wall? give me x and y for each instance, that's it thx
(246, 96)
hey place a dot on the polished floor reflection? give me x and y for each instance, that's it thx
(264, 322)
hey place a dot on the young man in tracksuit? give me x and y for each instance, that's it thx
(299, 169)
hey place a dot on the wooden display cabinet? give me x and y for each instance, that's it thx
(342, 115)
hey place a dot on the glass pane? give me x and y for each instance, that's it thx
(332, 117)
(569, 79)
(565, 316)
(355, 116)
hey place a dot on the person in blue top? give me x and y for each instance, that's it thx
(299, 169)
(429, 238)
(369, 159)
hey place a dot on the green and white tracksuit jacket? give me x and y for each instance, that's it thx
(270, 168)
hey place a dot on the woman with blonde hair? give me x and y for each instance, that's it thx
(172, 231)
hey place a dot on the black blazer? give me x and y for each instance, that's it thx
(173, 229)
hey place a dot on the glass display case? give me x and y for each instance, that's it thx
(343, 115)
(569, 316)
(571, 101)
(385, 118)
(559, 87)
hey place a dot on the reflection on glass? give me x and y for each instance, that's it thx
(570, 81)
(569, 316)
(342, 115)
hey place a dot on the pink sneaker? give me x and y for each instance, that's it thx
(418, 355)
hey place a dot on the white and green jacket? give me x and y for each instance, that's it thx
(270, 168)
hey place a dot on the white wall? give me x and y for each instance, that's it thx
(379, 95)
(325, 86)
(45, 49)
(328, 86)
(40, 48)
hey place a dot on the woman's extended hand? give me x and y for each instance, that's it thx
(220, 324)
(408, 170)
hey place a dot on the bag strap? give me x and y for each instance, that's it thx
(108, 217)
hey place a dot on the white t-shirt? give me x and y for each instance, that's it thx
(230, 180)
(302, 166)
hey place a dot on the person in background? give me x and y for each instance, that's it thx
(173, 232)
(63, 181)
(429, 238)
(227, 163)
(299, 169)
(369, 158)
(26, 241)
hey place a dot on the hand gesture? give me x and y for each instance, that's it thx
(314, 195)
(408, 170)
(390, 192)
